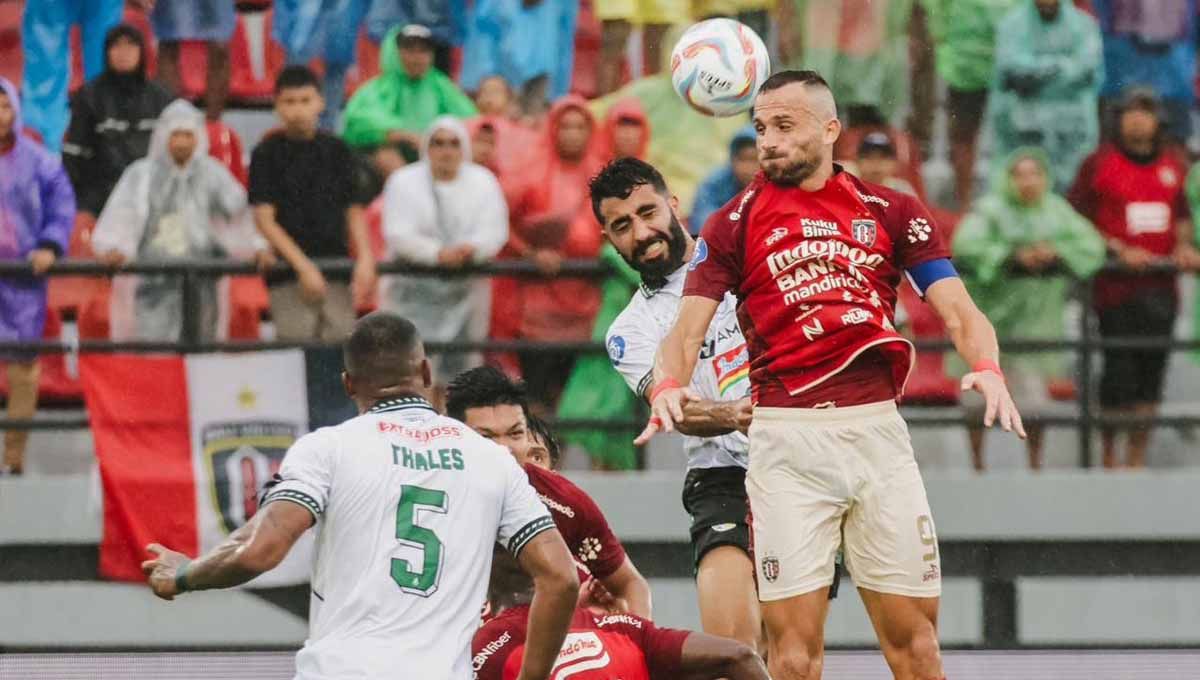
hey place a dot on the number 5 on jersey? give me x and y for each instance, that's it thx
(413, 500)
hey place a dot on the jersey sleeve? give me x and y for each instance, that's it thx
(661, 647)
(716, 266)
(579, 520)
(306, 475)
(631, 347)
(523, 515)
(917, 236)
(492, 648)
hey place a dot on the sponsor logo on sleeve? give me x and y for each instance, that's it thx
(616, 349)
(699, 256)
(919, 230)
(488, 650)
(871, 198)
(589, 549)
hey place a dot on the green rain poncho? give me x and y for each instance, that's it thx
(686, 146)
(964, 32)
(1062, 61)
(1193, 196)
(595, 389)
(394, 101)
(860, 48)
(1026, 307)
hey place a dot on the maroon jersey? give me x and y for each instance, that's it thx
(598, 647)
(579, 520)
(815, 274)
(1136, 204)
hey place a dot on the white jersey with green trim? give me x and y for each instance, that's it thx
(408, 505)
(721, 374)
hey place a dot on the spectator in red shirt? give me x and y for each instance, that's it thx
(488, 402)
(600, 646)
(1132, 189)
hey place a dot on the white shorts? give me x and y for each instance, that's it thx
(821, 478)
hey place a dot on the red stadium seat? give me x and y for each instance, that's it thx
(255, 59)
(226, 146)
(11, 57)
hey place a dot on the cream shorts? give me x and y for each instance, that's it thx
(820, 479)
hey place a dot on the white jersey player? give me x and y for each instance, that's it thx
(408, 505)
(637, 214)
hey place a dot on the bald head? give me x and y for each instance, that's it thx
(795, 116)
(384, 357)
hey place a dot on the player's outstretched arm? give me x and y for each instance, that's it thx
(709, 656)
(674, 364)
(975, 340)
(258, 546)
(708, 418)
(555, 590)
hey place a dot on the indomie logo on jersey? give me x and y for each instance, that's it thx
(581, 652)
(731, 367)
(241, 457)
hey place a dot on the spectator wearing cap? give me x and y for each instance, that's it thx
(1022, 222)
(1151, 43)
(725, 182)
(45, 43)
(1048, 76)
(531, 44)
(36, 210)
(209, 21)
(325, 29)
(876, 163)
(444, 210)
(445, 19)
(964, 38)
(403, 100)
(112, 117)
(1132, 189)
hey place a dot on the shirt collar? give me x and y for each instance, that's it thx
(406, 403)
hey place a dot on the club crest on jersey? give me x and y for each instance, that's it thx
(864, 231)
(699, 256)
(241, 457)
(770, 568)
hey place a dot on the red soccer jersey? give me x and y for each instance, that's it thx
(815, 274)
(579, 520)
(1136, 204)
(598, 647)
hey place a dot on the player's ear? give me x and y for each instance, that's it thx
(348, 384)
(673, 201)
(833, 130)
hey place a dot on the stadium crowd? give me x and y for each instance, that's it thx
(481, 123)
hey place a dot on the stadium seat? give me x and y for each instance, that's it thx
(225, 145)
(255, 59)
(11, 57)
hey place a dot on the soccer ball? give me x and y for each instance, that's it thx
(718, 65)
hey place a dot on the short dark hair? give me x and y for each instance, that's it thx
(296, 76)
(376, 348)
(541, 429)
(783, 78)
(482, 387)
(619, 178)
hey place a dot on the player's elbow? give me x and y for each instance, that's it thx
(258, 557)
(741, 662)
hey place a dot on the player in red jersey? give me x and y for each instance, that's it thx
(495, 407)
(814, 256)
(600, 646)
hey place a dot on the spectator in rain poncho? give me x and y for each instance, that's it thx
(625, 133)
(37, 208)
(724, 183)
(530, 44)
(448, 211)
(674, 150)
(445, 19)
(176, 203)
(1048, 75)
(1022, 222)
(402, 101)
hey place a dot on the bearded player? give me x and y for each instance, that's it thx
(814, 256)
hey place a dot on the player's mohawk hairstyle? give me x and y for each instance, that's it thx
(803, 76)
(619, 178)
(482, 387)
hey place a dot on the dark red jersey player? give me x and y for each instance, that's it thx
(814, 256)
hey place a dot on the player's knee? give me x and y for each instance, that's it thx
(925, 656)
(793, 663)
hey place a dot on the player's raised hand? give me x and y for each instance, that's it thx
(998, 402)
(666, 409)
(161, 570)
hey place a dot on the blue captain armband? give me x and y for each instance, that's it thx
(928, 273)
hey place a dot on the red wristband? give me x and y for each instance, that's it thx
(987, 365)
(666, 384)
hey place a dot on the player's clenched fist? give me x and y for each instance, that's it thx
(162, 572)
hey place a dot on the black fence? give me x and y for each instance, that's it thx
(191, 272)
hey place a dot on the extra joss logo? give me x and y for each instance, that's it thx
(241, 457)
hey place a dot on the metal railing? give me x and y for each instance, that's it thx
(192, 272)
